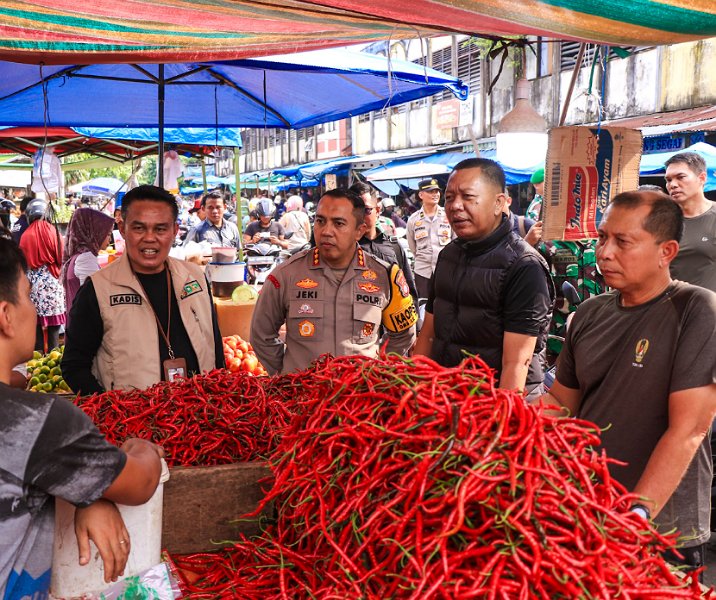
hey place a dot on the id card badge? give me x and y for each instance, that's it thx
(174, 368)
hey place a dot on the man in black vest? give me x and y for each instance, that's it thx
(491, 293)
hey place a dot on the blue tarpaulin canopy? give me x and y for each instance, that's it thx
(291, 91)
(653, 164)
(198, 136)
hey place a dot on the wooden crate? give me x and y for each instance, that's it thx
(202, 505)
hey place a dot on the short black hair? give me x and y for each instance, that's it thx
(151, 193)
(665, 220)
(12, 266)
(215, 195)
(24, 202)
(353, 198)
(694, 161)
(489, 168)
(360, 187)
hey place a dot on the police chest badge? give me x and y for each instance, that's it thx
(370, 275)
(306, 329)
(367, 330)
(190, 288)
(371, 288)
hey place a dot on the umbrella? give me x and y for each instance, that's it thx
(103, 186)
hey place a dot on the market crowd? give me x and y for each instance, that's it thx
(472, 278)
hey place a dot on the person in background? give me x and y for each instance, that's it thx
(332, 298)
(117, 219)
(6, 209)
(197, 214)
(214, 229)
(534, 210)
(50, 449)
(376, 241)
(21, 224)
(388, 206)
(491, 294)
(42, 246)
(523, 226)
(266, 227)
(428, 233)
(89, 231)
(640, 362)
(696, 261)
(146, 317)
(296, 222)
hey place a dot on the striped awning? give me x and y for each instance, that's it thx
(111, 31)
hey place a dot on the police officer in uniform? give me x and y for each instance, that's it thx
(428, 233)
(332, 298)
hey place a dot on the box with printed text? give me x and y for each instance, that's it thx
(586, 167)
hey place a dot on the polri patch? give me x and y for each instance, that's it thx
(190, 288)
(118, 299)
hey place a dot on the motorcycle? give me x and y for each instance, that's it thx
(261, 258)
(572, 296)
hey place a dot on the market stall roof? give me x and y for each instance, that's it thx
(100, 31)
(117, 144)
(290, 91)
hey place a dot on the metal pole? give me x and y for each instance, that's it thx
(575, 73)
(239, 208)
(160, 157)
(203, 172)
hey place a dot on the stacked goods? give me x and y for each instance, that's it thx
(45, 374)
(402, 479)
(212, 419)
(240, 356)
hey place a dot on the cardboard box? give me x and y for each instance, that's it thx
(583, 173)
(203, 506)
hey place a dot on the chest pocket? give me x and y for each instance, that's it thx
(305, 320)
(366, 323)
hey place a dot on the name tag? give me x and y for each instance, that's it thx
(118, 299)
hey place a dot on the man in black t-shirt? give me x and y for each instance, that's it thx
(491, 293)
(49, 448)
(640, 362)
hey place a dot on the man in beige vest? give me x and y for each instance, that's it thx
(146, 317)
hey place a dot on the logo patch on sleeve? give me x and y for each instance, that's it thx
(118, 299)
(402, 284)
(190, 288)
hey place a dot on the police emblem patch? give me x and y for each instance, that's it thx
(307, 283)
(306, 329)
(371, 288)
(305, 309)
(370, 275)
(368, 329)
(402, 284)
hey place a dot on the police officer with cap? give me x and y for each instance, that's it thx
(428, 233)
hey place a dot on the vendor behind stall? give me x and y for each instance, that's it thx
(49, 448)
(146, 317)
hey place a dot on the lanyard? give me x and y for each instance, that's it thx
(165, 335)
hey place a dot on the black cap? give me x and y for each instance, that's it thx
(427, 185)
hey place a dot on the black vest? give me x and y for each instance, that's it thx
(469, 284)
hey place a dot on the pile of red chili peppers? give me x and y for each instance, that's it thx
(401, 479)
(211, 419)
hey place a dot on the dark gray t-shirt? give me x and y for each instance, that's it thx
(696, 261)
(48, 447)
(626, 362)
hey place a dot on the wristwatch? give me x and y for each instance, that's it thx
(641, 510)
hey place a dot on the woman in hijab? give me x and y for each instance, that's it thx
(42, 245)
(295, 221)
(89, 232)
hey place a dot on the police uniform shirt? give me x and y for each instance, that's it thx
(427, 236)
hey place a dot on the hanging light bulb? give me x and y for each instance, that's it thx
(522, 133)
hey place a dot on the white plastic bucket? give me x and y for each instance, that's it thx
(144, 524)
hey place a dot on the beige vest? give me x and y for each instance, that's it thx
(129, 354)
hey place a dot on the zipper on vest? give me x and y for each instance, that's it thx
(196, 317)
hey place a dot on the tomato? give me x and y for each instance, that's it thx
(234, 365)
(249, 363)
(243, 346)
(239, 354)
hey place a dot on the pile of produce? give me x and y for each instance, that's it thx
(402, 479)
(212, 419)
(240, 356)
(44, 372)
